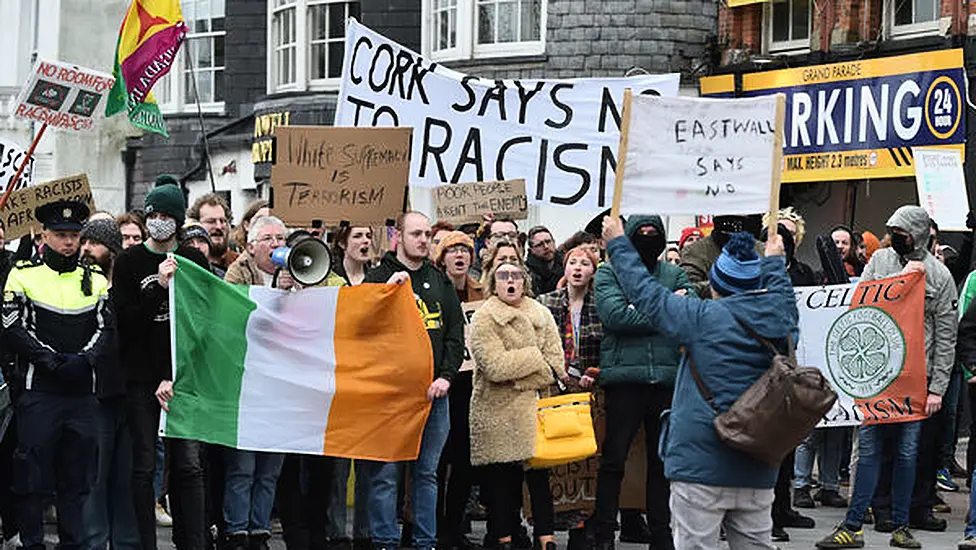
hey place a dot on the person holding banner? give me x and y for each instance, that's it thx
(713, 484)
(917, 451)
(638, 367)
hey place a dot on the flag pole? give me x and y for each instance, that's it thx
(23, 165)
(203, 129)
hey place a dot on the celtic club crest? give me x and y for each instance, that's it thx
(865, 352)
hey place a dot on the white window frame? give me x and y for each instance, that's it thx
(303, 45)
(786, 46)
(467, 47)
(176, 77)
(912, 30)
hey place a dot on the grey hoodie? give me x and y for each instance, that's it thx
(940, 293)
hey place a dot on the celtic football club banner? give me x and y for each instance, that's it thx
(869, 341)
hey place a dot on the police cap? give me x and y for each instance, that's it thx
(62, 215)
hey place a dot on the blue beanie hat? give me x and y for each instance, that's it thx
(737, 269)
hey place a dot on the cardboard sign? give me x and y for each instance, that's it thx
(18, 213)
(468, 308)
(468, 202)
(11, 157)
(355, 175)
(942, 186)
(63, 95)
(560, 135)
(700, 156)
(868, 339)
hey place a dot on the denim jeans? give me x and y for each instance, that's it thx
(827, 444)
(383, 487)
(971, 524)
(870, 455)
(249, 491)
(160, 474)
(108, 514)
(336, 527)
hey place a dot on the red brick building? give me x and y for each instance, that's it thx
(880, 63)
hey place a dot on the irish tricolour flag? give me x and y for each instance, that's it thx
(327, 371)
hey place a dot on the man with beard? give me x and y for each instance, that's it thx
(213, 213)
(53, 320)
(442, 317)
(638, 369)
(544, 262)
(141, 301)
(698, 257)
(108, 511)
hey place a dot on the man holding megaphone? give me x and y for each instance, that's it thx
(257, 265)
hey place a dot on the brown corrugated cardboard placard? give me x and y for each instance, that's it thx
(18, 213)
(356, 175)
(459, 203)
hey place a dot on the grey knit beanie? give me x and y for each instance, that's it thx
(104, 232)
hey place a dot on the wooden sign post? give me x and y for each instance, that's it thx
(618, 184)
(777, 164)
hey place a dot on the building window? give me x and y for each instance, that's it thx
(465, 29)
(788, 25)
(915, 16)
(202, 57)
(307, 43)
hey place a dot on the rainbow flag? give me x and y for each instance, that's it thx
(149, 40)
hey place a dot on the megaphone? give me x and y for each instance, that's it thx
(306, 258)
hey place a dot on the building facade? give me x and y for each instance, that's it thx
(865, 80)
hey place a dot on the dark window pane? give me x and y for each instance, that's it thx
(316, 18)
(188, 88)
(335, 59)
(801, 19)
(337, 20)
(218, 51)
(218, 85)
(217, 24)
(903, 12)
(486, 24)
(354, 11)
(781, 21)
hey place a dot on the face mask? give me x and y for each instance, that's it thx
(649, 247)
(59, 262)
(161, 230)
(900, 244)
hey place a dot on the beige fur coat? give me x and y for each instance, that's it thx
(515, 350)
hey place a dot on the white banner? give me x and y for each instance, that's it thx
(699, 156)
(11, 157)
(942, 186)
(63, 95)
(561, 136)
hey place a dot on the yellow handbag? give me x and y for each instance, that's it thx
(564, 430)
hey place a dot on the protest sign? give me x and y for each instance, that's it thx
(869, 341)
(11, 157)
(560, 135)
(942, 186)
(63, 95)
(469, 202)
(468, 308)
(700, 156)
(18, 212)
(355, 175)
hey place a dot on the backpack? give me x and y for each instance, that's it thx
(777, 412)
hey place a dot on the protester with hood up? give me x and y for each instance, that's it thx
(870, 244)
(916, 461)
(712, 483)
(637, 372)
(697, 258)
(442, 316)
(545, 263)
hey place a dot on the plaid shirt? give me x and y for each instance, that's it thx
(587, 353)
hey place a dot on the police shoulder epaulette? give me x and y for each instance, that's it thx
(22, 264)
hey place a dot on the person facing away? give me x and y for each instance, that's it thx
(713, 484)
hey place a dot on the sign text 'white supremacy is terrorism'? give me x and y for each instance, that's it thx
(699, 156)
(561, 136)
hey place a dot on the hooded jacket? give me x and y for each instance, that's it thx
(439, 306)
(728, 359)
(940, 293)
(633, 350)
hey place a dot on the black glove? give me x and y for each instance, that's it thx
(74, 368)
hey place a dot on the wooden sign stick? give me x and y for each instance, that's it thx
(618, 185)
(20, 171)
(777, 164)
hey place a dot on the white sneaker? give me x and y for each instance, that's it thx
(14, 542)
(163, 519)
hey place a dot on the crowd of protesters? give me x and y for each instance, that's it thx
(618, 310)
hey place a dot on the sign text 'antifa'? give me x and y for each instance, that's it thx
(451, 151)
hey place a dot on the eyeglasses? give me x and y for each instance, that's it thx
(509, 276)
(272, 238)
(511, 236)
(540, 244)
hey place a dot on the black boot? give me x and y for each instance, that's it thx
(236, 541)
(259, 541)
(633, 527)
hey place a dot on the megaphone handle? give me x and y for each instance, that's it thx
(274, 278)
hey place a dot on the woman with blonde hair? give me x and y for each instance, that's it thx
(499, 253)
(517, 350)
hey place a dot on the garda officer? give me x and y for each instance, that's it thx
(53, 315)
